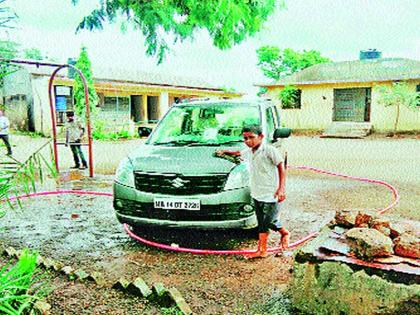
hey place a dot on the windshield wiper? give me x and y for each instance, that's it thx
(214, 144)
(175, 142)
(231, 141)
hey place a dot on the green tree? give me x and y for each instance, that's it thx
(84, 65)
(8, 48)
(228, 22)
(398, 94)
(7, 16)
(33, 53)
(276, 63)
(289, 96)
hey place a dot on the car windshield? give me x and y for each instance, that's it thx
(210, 124)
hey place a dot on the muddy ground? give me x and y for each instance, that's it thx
(82, 230)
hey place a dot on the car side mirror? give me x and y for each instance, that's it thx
(281, 133)
(144, 131)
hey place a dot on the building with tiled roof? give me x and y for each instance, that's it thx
(126, 97)
(347, 92)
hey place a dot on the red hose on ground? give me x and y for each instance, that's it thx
(395, 194)
(225, 252)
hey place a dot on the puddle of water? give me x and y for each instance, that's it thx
(63, 225)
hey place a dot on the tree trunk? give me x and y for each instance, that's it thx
(397, 119)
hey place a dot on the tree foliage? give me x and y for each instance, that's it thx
(276, 63)
(20, 178)
(84, 65)
(7, 16)
(398, 94)
(228, 22)
(33, 53)
(289, 97)
(8, 48)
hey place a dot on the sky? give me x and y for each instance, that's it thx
(339, 29)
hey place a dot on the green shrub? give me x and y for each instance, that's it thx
(100, 132)
(20, 285)
(170, 311)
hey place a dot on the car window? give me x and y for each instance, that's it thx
(209, 123)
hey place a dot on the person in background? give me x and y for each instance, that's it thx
(74, 134)
(4, 131)
(267, 185)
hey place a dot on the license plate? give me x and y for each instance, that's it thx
(180, 204)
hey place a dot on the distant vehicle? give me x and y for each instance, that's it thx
(174, 179)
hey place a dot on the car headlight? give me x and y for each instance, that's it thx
(125, 173)
(238, 178)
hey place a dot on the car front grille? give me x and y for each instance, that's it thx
(175, 184)
(233, 211)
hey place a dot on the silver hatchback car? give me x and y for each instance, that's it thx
(175, 180)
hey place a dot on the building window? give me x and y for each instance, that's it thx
(63, 102)
(116, 104)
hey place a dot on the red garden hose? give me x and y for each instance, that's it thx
(394, 191)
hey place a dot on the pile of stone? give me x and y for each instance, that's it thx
(157, 294)
(371, 235)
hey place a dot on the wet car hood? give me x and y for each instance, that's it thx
(185, 160)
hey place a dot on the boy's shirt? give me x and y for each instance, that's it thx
(264, 176)
(74, 131)
(4, 125)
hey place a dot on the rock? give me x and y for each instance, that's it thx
(81, 274)
(345, 217)
(41, 307)
(365, 217)
(336, 288)
(179, 301)
(379, 222)
(384, 230)
(161, 295)
(403, 227)
(369, 243)
(139, 288)
(39, 260)
(67, 270)
(397, 229)
(57, 265)
(339, 230)
(10, 251)
(382, 225)
(407, 245)
(18, 253)
(121, 284)
(48, 263)
(96, 277)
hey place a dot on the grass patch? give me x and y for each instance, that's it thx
(21, 285)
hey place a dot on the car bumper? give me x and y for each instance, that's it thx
(245, 223)
(223, 210)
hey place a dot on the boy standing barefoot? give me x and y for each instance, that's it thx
(267, 183)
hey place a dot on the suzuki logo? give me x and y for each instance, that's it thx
(178, 182)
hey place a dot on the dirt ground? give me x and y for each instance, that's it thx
(95, 240)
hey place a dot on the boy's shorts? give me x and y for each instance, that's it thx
(267, 216)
